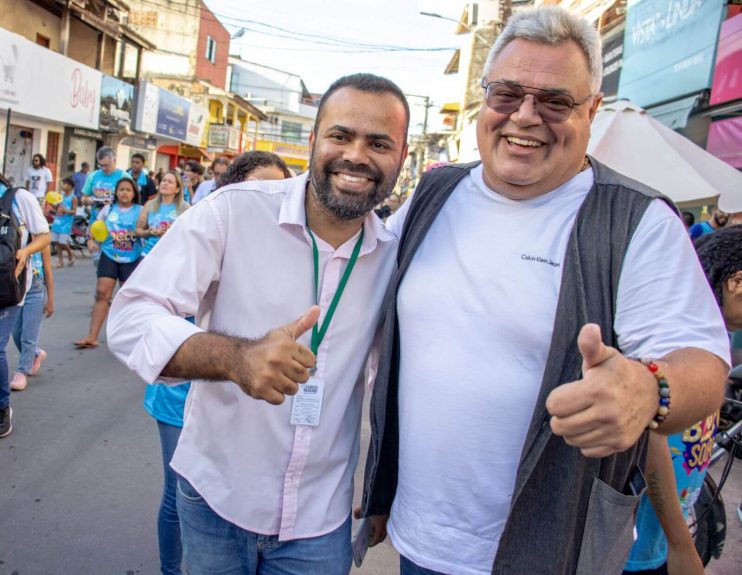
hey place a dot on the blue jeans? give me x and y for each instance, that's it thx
(168, 525)
(8, 316)
(28, 326)
(214, 546)
(407, 567)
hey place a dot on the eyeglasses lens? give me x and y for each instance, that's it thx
(507, 98)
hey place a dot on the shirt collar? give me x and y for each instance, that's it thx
(293, 214)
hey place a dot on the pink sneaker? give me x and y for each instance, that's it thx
(18, 383)
(37, 361)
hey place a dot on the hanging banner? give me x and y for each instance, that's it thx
(669, 48)
(727, 84)
(116, 105)
(42, 83)
(198, 118)
(163, 113)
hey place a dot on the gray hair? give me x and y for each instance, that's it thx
(105, 152)
(552, 25)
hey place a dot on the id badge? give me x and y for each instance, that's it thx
(360, 541)
(307, 406)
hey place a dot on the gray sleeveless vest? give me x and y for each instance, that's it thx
(569, 514)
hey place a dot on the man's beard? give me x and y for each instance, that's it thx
(348, 206)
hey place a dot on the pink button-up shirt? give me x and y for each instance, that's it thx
(241, 262)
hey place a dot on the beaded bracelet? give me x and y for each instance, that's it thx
(663, 409)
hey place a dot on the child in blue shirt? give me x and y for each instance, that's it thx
(62, 226)
(120, 254)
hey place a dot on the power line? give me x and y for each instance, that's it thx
(352, 46)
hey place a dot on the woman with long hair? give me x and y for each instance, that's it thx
(29, 220)
(159, 214)
(120, 253)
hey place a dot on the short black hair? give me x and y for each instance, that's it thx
(85, 165)
(365, 83)
(42, 159)
(195, 167)
(244, 164)
(69, 181)
(139, 156)
(689, 219)
(720, 254)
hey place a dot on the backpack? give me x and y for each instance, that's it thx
(12, 288)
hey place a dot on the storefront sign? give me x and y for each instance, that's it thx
(116, 104)
(727, 84)
(198, 118)
(161, 112)
(42, 83)
(92, 134)
(612, 63)
(172, 116)
(669, 48)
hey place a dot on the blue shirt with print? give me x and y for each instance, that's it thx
(122, 244)
(691, 454)
(163, 219)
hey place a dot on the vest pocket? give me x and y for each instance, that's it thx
(609, 531)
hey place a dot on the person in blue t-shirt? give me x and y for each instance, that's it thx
(99, 188)
(718, 220)
(62, 226)
(80, 178)
(159, 214)
(120, 253)
(677, 465)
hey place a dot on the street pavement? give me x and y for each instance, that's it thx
(81, 473)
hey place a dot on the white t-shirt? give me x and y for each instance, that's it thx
(476, 312)
(38, 180)
(32, 220)
(203, 190)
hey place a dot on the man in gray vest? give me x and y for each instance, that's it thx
(545, 313)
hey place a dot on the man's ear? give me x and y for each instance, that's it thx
(597, 100)
(312, 137)
(734, 283)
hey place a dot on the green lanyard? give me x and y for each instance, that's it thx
(318, 333)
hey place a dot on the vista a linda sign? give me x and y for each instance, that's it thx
(42, 83)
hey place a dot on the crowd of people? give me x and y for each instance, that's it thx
(535, 324)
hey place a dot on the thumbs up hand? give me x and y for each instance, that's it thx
(607, 410)
(272, 367)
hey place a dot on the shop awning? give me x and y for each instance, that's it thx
(725, 141)
(674, 114)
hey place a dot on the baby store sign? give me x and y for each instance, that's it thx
(75, 99)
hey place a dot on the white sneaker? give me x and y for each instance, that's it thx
(19, 382)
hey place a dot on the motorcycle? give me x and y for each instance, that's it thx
(707, 519)
(79, 234)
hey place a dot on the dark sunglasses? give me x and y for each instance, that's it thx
(506, 98)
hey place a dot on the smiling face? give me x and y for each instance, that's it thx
(357, 151)
(523, 156)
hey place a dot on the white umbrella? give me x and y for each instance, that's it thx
(629, 140)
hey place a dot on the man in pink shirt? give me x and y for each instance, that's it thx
(286, 280)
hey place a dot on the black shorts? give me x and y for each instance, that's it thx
(107, 268)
